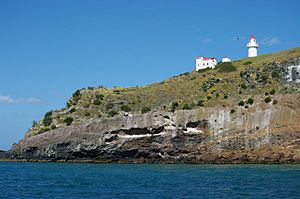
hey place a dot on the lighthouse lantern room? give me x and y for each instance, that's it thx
(252, 47)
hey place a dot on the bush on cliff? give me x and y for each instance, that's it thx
(125, 108)
(145, 109)
(112, 113)
(250, 101)
(47, 118)
(68, 121)
(241, 103)
(268, 99)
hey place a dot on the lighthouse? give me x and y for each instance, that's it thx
(252, 47)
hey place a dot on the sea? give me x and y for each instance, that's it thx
(85, 180)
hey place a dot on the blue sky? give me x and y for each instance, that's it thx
(48, 49)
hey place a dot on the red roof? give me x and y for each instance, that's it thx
(252, 37)
(205, 58)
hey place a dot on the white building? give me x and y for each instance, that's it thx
(252, 47)
(226, 59)
(203, 62)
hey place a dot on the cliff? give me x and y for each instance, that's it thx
(243, 112)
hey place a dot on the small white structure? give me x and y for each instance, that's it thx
(252, 47)
(226, 59)
(203, 62)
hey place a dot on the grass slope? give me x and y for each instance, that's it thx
(220, 86)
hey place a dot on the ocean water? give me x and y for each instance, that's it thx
(66, 180)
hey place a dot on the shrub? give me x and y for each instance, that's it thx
(100, 96)
(273, 91)
(53, 127)
(266, 93)
(76, 94)
(232, 111)
(125, 108)
(43, 130)
(72, 110)
(200, 102)
(186, 107)
(87, 114)
(68, 121)
(68, 104)
(47, 118)
(208, 97)
(34, 123)
(76, 97)
(247, 63)
(244, 86)
(97, 102)
(241, 103)
(174, 105)
(250, 101)
(145, 109)
(275, 102)
(225, 96)
(268, 99)
(109, 106)
(112, 113)
(275, 74)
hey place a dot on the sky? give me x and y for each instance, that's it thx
(49, 49)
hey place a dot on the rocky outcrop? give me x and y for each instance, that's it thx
(4, 155)
(262, 133)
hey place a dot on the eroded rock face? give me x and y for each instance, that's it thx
(262, 133)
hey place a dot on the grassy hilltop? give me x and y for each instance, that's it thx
(239, 83)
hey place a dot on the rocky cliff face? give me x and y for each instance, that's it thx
(223, 124)
(262, 133)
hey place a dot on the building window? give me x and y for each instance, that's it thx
(207, 63)
(203, 64)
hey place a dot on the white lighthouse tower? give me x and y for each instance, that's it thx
(252, 47)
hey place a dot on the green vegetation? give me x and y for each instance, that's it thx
(145, 109)
(226, 85)
(200, 102)
(125, 108)
(68, 121)
(43, 130)
(268, 99)
(250, 101)
(226, 67)
(112, 113)
(174, 106)
(243, 86)
(273, 91)
(241, 103)
(47, 118)
(186, 107)
(247, 63)
(53, 127)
